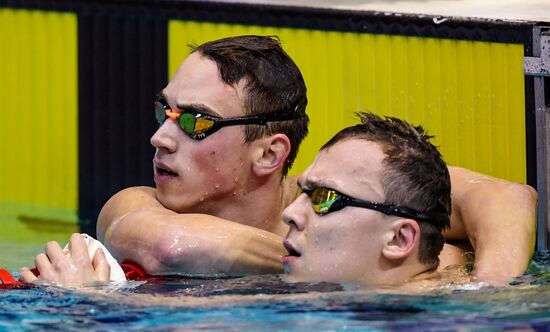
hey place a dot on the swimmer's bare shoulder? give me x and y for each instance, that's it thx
(122, 203)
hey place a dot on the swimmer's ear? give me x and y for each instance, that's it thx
(270, 154)
(402, 239)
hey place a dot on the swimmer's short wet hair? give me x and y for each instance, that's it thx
(414, 176)
(273, 83)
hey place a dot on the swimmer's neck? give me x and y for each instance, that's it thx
(259, 204)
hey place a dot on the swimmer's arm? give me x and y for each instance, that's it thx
(135, 226)
(498, 217)
(121, 204)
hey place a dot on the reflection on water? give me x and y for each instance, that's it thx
(244, 286)
(266, 303)
(518, 307)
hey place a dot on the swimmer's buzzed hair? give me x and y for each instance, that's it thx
(414, 176)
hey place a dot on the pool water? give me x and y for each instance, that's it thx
(265, 303)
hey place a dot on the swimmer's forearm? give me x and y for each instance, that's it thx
(166, 242)
(505, 243)
(134, 225)
(499, 219)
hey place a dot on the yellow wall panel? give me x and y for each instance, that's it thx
(38, 131)
(468, 94)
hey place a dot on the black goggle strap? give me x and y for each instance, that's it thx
(399, 211)
(258, 119)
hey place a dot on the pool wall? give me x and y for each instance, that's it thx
(82, 75)
(39, 126)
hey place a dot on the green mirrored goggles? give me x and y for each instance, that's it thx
(199, 126)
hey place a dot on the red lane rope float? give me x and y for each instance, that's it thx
(133, 271)
(8, 281)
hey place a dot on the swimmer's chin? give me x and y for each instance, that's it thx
(165, 200)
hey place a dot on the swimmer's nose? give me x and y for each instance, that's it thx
(165, 137)
(295, 215)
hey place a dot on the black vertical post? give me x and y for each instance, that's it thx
(122, 63)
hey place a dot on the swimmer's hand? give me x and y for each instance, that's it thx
(74, 270)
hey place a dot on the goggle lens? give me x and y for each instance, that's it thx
(195, 125)
(321, 198)
(160, 112)
(187, 122)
